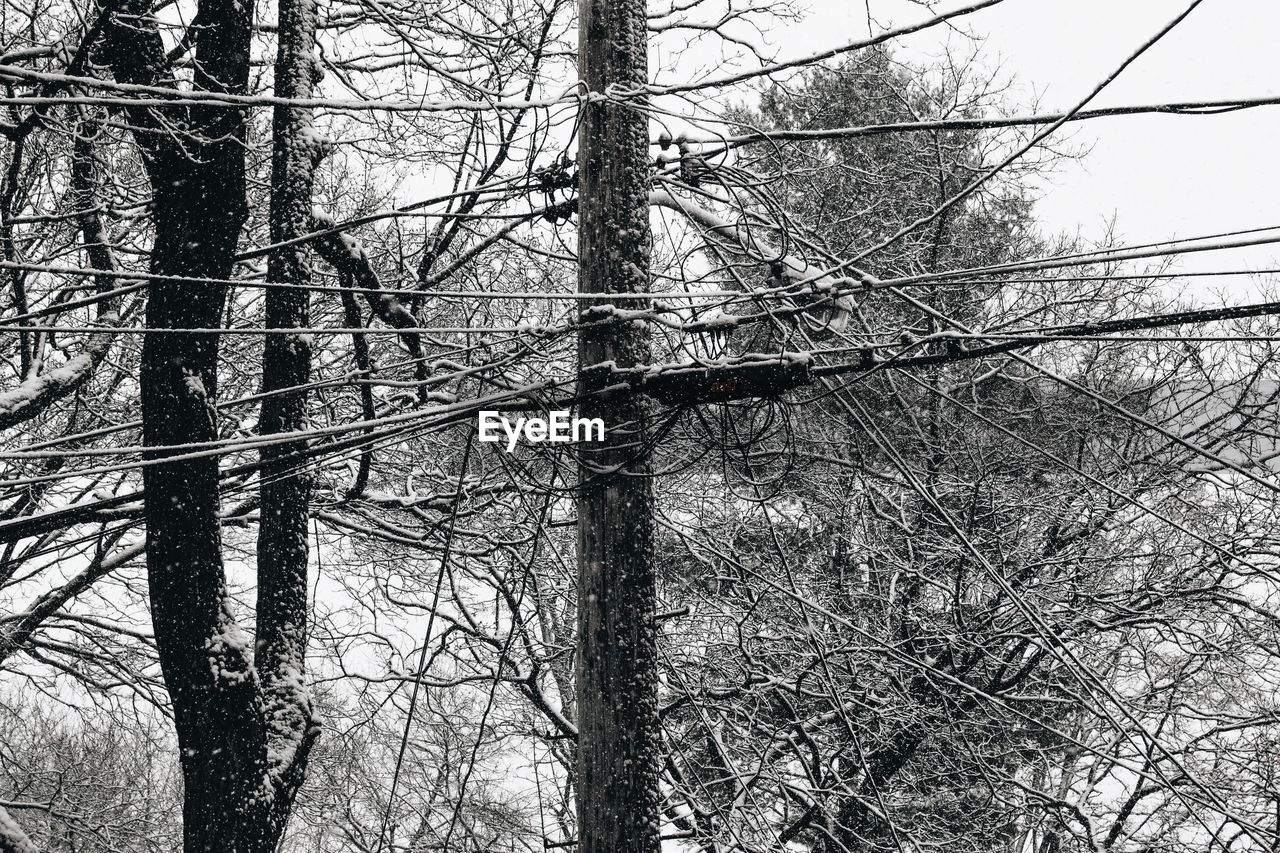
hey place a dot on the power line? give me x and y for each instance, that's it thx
(426, 641)
(1035, 140)
(1172, 108)
(1021, 338)
(1072, 661)
(763, 293)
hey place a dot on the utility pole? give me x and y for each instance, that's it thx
(617, 665)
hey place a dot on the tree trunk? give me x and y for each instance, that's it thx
(618, 741)
(242, 746)
(199, 208)
(286, 363)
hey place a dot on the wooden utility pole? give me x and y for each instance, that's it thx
(618, 737)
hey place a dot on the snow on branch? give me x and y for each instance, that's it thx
(831, 317)
(40, 389)
(345, 254)
(36, 393)
(12, 838)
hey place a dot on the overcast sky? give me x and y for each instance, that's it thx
(1160, 176)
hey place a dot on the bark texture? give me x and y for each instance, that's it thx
(618, 745)
(229, 710)
(286, 364)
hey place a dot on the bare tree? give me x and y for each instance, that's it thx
(914, 527)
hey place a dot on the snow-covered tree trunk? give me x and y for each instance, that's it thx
(242, 746)
(618, 740)
(198, 186)
(286, 363)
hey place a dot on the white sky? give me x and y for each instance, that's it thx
(1160, 176)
